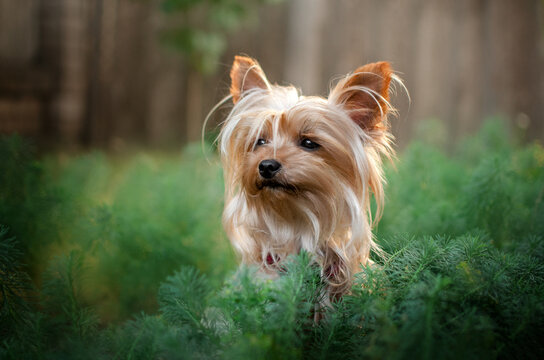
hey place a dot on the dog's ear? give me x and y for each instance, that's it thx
(365, 94)
(246, 74)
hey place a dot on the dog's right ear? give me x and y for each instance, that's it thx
(246, 74)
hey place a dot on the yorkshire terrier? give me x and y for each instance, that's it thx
(300, 170)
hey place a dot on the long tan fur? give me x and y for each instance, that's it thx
(323, 202)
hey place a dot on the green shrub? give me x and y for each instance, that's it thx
(463, 278)
(135, 219)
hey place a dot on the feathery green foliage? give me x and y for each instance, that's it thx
(135, 219)
(103, 237)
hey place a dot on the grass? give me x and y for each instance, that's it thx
(124, 257)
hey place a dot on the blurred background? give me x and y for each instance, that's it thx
(106, 190)
(117, 73)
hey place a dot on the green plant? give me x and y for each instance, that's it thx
(463, 278)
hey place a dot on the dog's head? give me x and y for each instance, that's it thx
(299, 170)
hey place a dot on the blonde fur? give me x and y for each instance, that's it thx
(323, 205)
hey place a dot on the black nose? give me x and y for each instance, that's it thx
(268, 168)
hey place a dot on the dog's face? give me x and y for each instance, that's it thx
(299, 157)
(299, 170)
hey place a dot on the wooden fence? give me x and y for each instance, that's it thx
(93, 73)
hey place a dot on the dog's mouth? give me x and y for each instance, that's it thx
(276, 185)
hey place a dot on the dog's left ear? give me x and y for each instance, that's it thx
(365, 94)
(246, 74)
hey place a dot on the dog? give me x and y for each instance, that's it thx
(300, 170)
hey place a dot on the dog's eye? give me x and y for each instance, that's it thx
(309, 144)
(260, 142)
